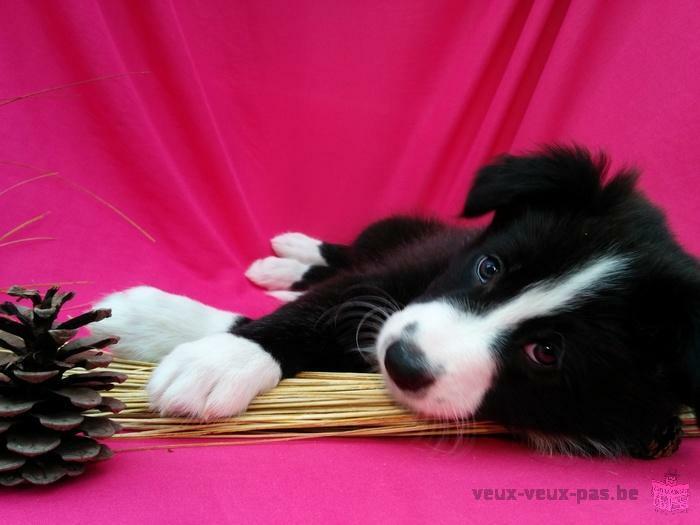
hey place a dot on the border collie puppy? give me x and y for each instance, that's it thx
(573, 319)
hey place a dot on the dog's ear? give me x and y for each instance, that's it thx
(557, 176)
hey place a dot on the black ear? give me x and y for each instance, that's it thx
(555, 176)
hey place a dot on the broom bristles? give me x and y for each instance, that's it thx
(313, 404)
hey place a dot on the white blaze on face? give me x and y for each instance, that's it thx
(460, 345)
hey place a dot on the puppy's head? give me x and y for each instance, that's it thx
(573, 318)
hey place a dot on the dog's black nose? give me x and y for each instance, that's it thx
(407, 366)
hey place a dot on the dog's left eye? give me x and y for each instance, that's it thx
(486, 267)
(542, 354)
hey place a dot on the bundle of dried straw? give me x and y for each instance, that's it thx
(312, 404)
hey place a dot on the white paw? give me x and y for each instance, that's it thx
(275, 273)
(151, 322)
(286, 296)
(299, 247)
(215, 377)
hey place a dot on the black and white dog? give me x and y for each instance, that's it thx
(572, 319)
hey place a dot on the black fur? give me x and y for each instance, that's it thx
(631, 354)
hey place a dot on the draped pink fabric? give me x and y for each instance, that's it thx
(183, 134)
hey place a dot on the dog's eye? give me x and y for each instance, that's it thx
(486, 267)
(542, 354)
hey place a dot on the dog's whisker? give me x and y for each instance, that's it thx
(357, 308)
(384, 293)
(366, 303)
(365, 319)
(375, 298)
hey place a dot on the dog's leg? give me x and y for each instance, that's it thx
(219, 375)
(151, 322)
(300, 262)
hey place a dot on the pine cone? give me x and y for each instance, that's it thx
(45, 432)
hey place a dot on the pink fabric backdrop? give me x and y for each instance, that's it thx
(218, 124)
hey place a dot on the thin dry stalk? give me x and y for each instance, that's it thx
(112, 207)
(27, 181)
(45, 285)
(32, 94)
(78, 186)
(23, 225)
(26, 239)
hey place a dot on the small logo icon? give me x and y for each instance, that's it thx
(669, 496)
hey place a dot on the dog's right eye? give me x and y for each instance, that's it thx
(543, 354)
(486, 267)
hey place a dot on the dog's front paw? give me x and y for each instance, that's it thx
(299, 247)
(276, 273)
(213, 377)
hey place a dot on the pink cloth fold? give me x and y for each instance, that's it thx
(218, 124)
